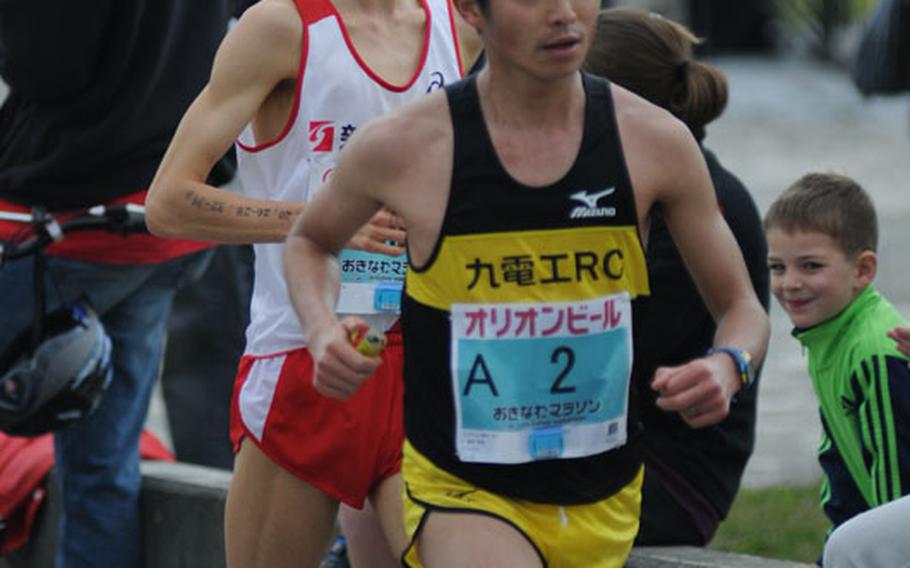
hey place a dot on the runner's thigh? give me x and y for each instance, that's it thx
(273, 518)
(471, 539)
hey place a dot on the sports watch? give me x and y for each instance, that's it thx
(742, 359)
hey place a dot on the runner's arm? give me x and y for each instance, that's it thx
(702, 389)
(311, 261)
(712, 255)
(261, 52)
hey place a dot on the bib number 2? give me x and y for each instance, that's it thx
(552, 383)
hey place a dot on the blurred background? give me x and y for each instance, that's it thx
(828, 29)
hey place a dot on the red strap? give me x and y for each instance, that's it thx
(314, 10)
(104, 246)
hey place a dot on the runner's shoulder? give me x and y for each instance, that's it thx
(262, 49)
(645, 122)
(394, 141)
(272, 24)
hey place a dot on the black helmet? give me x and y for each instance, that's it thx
(62, 380)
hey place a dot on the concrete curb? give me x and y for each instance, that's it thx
(694, 557)
(183, 514)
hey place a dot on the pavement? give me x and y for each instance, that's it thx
(788, 116)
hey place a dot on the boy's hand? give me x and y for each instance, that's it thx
(902, 336)
(339, 369)
(700, 391)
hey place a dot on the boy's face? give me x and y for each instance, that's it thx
(811, 276)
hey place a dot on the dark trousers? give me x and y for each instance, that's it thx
(205, 341)
(666, 522)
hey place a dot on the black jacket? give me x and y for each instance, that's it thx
(97, 88)
(677, 327)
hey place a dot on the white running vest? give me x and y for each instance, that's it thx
(337, 92)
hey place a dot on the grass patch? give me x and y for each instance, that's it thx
(839, 11)
(775, 522)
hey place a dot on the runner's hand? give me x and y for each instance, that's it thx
(700, 391)
(384, 234)
(339, 369)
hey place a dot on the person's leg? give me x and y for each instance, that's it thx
(308, 441)
(97, 460)
(877, 537)
(375, 535)
(471, 539)
(16, 299)
(210, 316)
(449, 522)
(273, 519)
(664, 521)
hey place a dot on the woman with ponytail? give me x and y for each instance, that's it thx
(691, 476)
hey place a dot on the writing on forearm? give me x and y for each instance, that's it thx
(262, 212)
(200, 202)
(220, 207)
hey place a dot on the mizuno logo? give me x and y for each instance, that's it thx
(591, 199)
(590, 208)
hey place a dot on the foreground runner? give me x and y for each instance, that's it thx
(293, 80)
(523, 240)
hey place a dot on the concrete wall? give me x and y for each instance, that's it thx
(183, 509)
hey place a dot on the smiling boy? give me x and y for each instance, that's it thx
(822, 238)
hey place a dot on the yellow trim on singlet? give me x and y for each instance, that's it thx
(544, 265)
(596, 535)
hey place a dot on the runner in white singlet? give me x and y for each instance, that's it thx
(290, 84)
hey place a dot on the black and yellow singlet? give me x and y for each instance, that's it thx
(518, 343)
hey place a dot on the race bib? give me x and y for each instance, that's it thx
(370, 283)
(537, 381)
